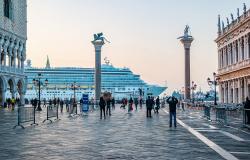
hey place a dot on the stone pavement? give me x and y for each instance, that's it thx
(121, 136)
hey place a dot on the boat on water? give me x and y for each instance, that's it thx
(121, 82)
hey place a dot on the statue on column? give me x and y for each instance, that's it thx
(186, 33)
(99, 37)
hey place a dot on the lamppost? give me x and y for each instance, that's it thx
(74, 87)
(215, 83)
(182, 93)
(37, 82)
(193, 88)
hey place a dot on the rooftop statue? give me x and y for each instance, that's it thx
(227, 22)
(232, 17)
(99, 37)
(238, 13)
(244, 8)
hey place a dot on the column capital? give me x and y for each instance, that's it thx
(187, 42)
(98, 45)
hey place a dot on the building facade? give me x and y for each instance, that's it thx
(233, 43)
(13, 36)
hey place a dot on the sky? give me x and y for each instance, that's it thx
(143, 35)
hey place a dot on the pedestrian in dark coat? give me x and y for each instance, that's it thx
(149, 105)
(157, 102)
(172, 101)
(113, 103)
(130, 105)
(136, 103)
(247, 111)
(102, 105)
(108, 109)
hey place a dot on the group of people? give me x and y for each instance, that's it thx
(136, 101)
(105, 103)
(152, 104)
(11, 103)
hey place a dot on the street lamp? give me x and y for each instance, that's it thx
(74, 87)
(215, 83)
(193, 88)
(37, 82)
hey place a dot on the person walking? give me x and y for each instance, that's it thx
(149, 105)
(157, 102)
(61, 105)
(140, 102)
(67, 104)
(13, 102)
(35, 102)
(130, 104)
(136, 103)
(108, 109)
(54, 102)
(113, 103)
(182, 105)
(247, 111)
(102, 105)
(172, 101)
(44, 102)
(123, 103)
(50, 104)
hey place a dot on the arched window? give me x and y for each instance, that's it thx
(8, 9)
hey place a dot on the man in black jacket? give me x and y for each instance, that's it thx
(172, 101)
(149, 105)
(157, 102)
(108, 111)
(247, 111)
(102, 105)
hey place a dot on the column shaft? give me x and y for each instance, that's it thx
(97, 74)
(187, 73)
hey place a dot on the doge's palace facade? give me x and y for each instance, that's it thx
(13, 36)
(233, 43)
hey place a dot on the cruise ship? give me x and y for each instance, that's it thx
(67, 82)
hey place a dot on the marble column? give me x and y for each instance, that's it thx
(239, 90)
(229, 92)
(245, 88)
(10, 52)
(225, 93)
(234, 52)
(5, 50)
(246, 47)
(1, 48)
(98, 45)
(220, 93)
(22, 51)
(239, 49)
(186, 41)
(219, 58)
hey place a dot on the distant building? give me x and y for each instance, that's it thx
(13, 35)
(233, 43)
(121, 82)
